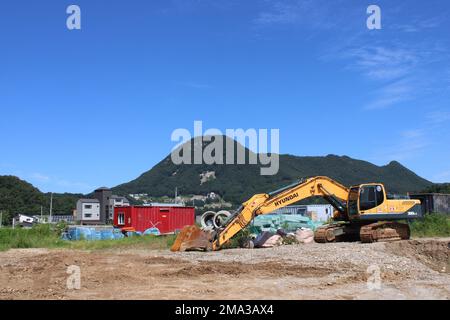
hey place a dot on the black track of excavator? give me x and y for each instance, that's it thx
(366, 233)
(337, 232)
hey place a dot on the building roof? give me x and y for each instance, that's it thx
(102, 189)
(429, 194)
(89, 200)
(118, 197)
(159, 204)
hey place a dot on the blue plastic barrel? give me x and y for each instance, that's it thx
(84, 233)
(107, 235)
(118, 236)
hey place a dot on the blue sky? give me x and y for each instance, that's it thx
(97, 106)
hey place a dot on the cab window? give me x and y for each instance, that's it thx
(353, 201)
(370, 197)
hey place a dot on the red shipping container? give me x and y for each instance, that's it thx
(166, 219)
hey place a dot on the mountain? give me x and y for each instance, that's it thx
(236, 183)
(18, 196)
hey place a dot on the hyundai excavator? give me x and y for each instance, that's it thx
(362, 213)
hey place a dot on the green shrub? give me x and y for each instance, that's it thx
(40, 236)
(239, 239)
(432, 225)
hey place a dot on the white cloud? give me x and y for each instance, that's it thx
(49, 183)
(418, 25)
(406, 150)
(381, 62)
(280, 13)
(442, 177)
(391, 94)
(310, 13)
(438, 117)
(412, 134)
(73, 185)
(406, 28)
(40, 177)
(407, 145)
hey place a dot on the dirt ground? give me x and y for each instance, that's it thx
(414, 269)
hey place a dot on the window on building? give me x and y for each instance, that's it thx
(88, 215)
(301, 211)
(88, 206)
(121, 218)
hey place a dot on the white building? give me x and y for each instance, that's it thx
(317, 212)
(116, 201)
(88, 210)
(212, 195)
(26, 221)
(320, 212)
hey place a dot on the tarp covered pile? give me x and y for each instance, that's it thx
(75, 233)
(287, 222)
(91, 233)
(267, 239)
(277, 229)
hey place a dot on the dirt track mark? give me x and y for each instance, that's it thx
(269, 269)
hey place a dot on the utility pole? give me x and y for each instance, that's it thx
(42, 221)
(1, 219)
(176, 194)
(51, 207)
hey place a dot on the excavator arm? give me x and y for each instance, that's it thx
(336, 194)
(260, 204)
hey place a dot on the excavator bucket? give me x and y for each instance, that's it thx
(192, 238)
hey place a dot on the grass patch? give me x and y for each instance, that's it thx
(40, 236)
(47, 236)
(147, 242)
(432, 225)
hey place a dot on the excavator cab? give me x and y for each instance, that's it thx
(371, 196)
(365, 197)
(370, 202)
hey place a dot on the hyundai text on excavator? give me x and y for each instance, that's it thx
(362, 212)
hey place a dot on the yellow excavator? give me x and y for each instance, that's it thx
(362, 213)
